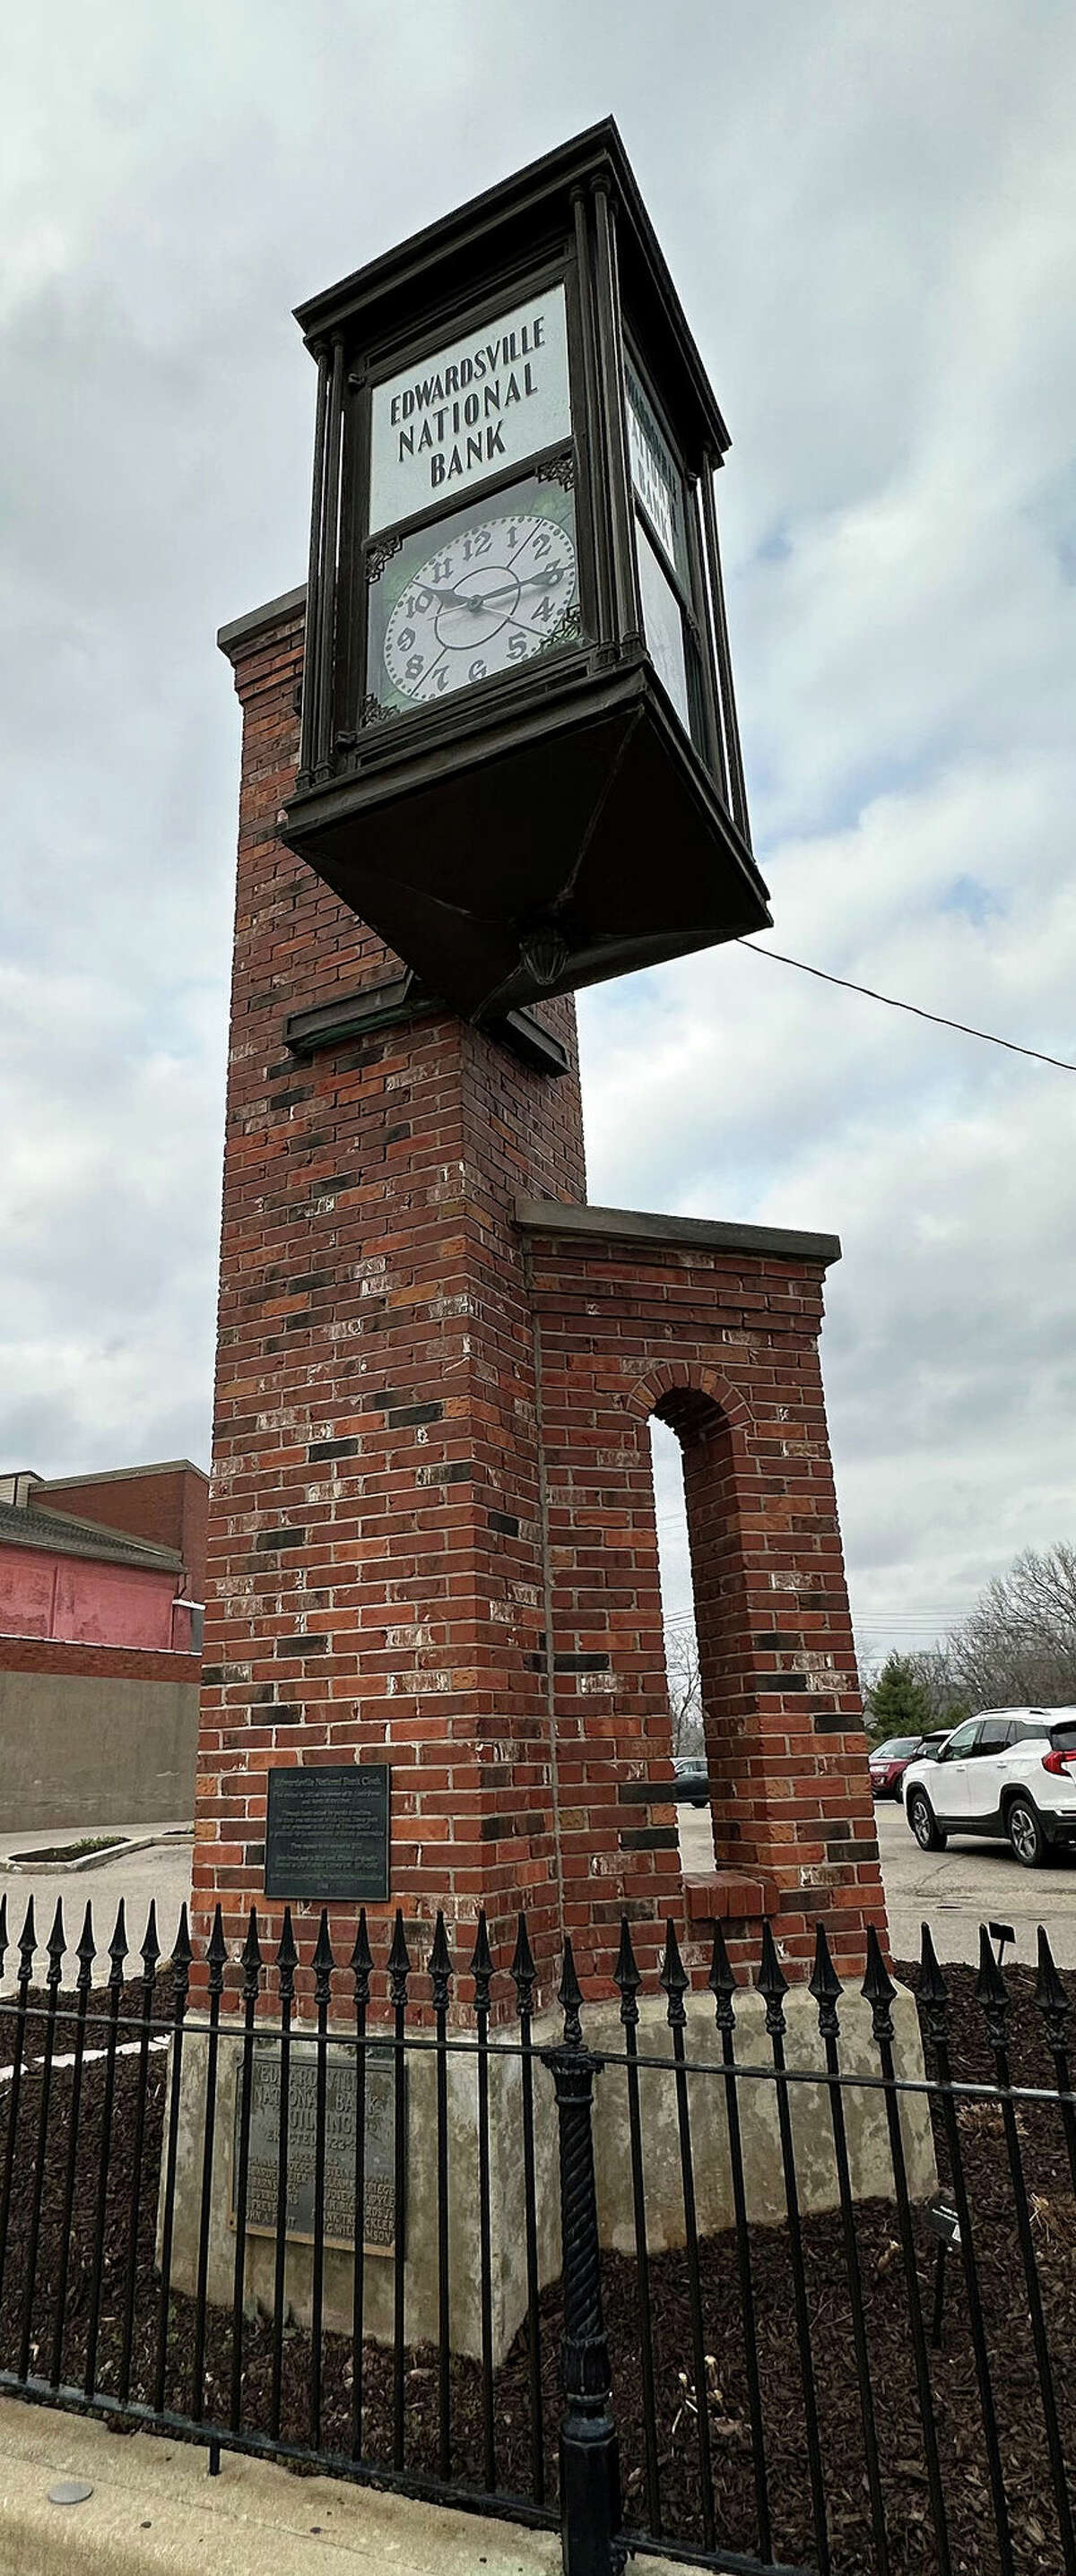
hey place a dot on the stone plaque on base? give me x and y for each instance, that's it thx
(379, 2215)
(327, 1834)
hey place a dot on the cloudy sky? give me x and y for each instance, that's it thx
(871, 216)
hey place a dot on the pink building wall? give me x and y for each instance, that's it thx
(94, 1604)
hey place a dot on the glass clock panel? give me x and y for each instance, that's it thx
(474, 594)
(663, 626)
(656, 475)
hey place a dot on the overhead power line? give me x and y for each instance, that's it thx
(1059, 1062)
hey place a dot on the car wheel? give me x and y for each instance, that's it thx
(920, 1814)
(1025, 1833)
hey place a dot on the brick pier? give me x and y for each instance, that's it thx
(432, 1535)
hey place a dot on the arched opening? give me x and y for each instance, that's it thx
(704, 1609)
(677, 1595)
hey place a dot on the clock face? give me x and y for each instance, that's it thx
(491, 588)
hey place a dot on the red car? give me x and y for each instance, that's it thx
(889, 1762)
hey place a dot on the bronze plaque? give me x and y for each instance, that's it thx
(327, 1834)
(379, 2212)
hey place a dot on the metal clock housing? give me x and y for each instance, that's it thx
(519, 759)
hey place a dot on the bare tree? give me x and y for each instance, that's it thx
(1016, 1648)
(685, 1696)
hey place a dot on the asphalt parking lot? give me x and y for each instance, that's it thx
(969, 1883)
(954, 1890)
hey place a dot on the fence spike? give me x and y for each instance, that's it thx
(27, 1945)
(878, 1988)
(217, 1953)
(721, 1982)
(323, 1960)
(85, 1953)
(182, 1953)
(825, 1985)
(56, 1945)
(674, 1977)
(523, 1972)
(480, 1964)
(439, 1965)
(287, 1958)
(399, 1964)
(570, 1997)
(772, 1983)
(118, 1946)
(151, 1948)
(932, 1993)
(1051, 1996)
(251, 1956)
(361, 1960)
(628, 1976)
(991, 1991)
(3, 1930)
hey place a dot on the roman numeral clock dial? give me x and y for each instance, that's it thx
(491, 591)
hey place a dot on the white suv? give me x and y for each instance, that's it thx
(1010, 1772)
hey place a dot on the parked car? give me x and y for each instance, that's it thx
(692, 1778)
(1009, 1773)
(888, 1763)
(932, 1744)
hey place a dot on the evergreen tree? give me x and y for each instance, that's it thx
(897, 1703)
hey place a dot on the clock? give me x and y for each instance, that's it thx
(518, 757)
(474, 595)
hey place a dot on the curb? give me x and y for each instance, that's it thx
(153, 2511)
(21, 1865)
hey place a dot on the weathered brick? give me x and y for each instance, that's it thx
(395, 1290)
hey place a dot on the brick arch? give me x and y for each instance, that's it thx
(668, 1390)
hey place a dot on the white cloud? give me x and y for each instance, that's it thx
(871, 220)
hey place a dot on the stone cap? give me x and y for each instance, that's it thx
(242, 630)
(698, 1233)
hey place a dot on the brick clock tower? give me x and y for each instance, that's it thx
(432, 1550)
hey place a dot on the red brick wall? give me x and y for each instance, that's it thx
(724, 1346)
(375, 1549)
(169, 1507)
(97, 1663)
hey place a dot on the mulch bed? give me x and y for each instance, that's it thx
(913, 2549)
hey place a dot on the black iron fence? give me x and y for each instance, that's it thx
(670, 2282)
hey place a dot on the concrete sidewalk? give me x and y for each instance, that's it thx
(155, 2511)
(161, 1870)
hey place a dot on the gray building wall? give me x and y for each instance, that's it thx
(75, 1750)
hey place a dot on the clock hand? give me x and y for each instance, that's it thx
(476, 601)
(462, 598)
(511, 590)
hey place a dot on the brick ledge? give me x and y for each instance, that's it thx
(724, 1892)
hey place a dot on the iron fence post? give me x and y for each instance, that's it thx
(590, 2507)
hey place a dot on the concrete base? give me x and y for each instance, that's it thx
(816, 2174)
(420, 2217)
